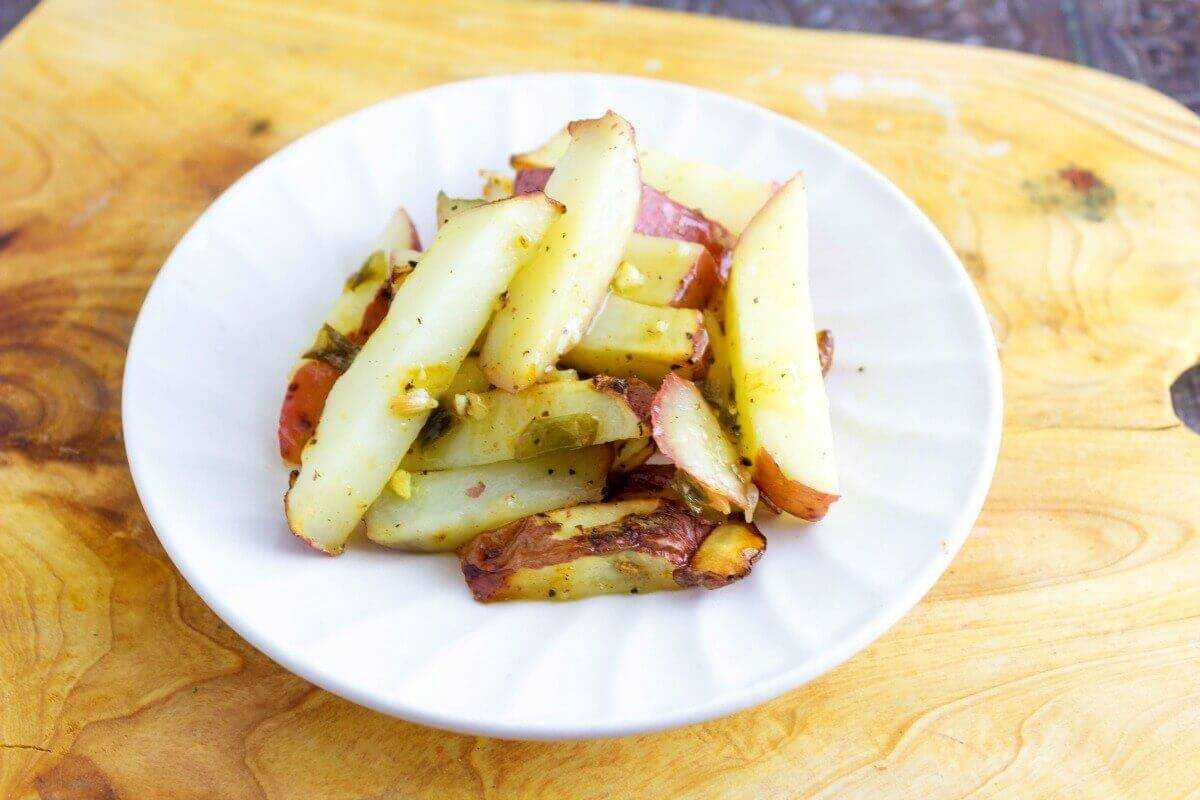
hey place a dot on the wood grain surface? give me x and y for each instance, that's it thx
(1156, 42)
(1059, 657)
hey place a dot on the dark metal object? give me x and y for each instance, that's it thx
(1156, 42)
(12, 12)
(1185, 397)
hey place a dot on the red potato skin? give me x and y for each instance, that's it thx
(373, 315)
(669, 532)
(659, 215)
(637, 394)
(825, 350)
(648, 480)
(528, 181)
(414, 238)
(697, 288)
(672, 386)
(302, 407)
(788, 495)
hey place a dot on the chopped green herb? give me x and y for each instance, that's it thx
(693, 496)
(333, 348)
(548, 434)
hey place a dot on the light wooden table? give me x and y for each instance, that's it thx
(1058, 657)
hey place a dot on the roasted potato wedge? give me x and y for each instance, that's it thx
(783, 411)
(561, 415)
(379, 405)
(656, 270)
(362, 305)
(625, 547)
(723, 196)
(637, 340)
(658, 215)
(545, 156)
(725, 555)
(688, 433)
(666, 272)
(445, 510)
(661, 216)
(554, 297)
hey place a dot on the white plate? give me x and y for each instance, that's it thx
(916, 408)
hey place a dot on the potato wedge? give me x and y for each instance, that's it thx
(725, 555)
(447, 509)
(783, 411)
(448, 206)
(554, 297)
(636, 340)
(628, 547)
(670, 272)
(561, 415)
(371, 416)
(658, 215)
(723, 196)
(717, 385)
(310, 386)
(661, 216)
(546, 156)
(362, 305)
(688, 433)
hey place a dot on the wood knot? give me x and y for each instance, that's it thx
(61, 350)
(51, 403)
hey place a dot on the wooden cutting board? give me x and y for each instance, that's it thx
(1058, 657)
